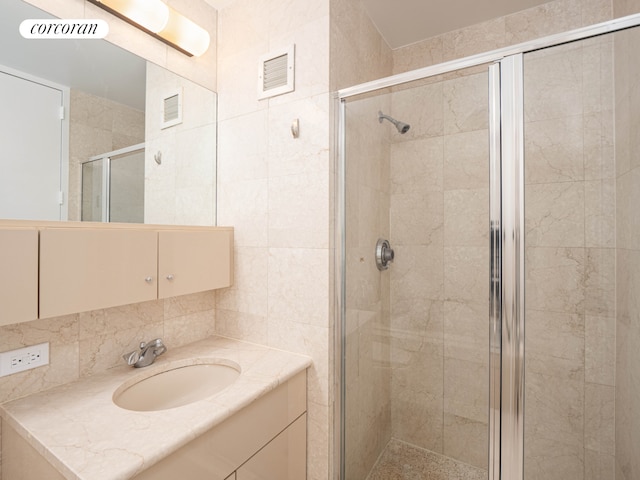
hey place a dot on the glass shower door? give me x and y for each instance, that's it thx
(113, 186)
(416, 363)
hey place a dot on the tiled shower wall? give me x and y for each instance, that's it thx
(570, 262)
(439, 281)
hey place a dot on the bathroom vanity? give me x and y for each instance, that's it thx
(63, 268)
(253, 429)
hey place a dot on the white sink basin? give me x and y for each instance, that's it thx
(175, 386)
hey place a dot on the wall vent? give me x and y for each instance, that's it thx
(172, 109)
(276, 73)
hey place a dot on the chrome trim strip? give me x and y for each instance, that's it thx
(495, 329)
(494, 55)
(512, 284)
(115, 153)
(340, 295)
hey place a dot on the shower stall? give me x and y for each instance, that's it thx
(113, 186)
(501, 340)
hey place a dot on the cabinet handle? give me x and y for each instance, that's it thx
(170, 277)
(148, 279)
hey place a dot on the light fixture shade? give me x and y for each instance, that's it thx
(184, 33)
(152, 15)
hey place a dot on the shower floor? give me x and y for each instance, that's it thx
(402, 461)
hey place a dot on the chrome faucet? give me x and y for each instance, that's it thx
(146, 355)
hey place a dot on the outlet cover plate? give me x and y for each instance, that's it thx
(22, 359)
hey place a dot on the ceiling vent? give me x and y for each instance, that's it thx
(276, 73)
(172, 109)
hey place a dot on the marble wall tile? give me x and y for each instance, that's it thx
(466, 160)
(466, 270)
(236, 324)
(598, 466)
(312, 63)
(108, 321)
(599, 421)
(417, 219)
(249, 293)
(466, 104)
(363, 279)
(600, 276)
(421, 54)
(417, 274)
(555, 214)
(466, 440)
(555, 279)
(179, 331)
(245, 206)
(427, 120)
(307, 154)
(549, 458)
(599, 157)
(297, 216)
(238, 86)
(250, 158)
(417, 166)
(466, 216)
(358, 52)
(298, 285)
(628, 216)
(102, 352)
(545, 19)
(466, 331)
(62, 335)
(417, 384)
(554, 150)
(596, 11)
(553, 96)
(482, 37)
(555, 344)
(555, 411)
(465, 389)
(600, 350)
(600, 208)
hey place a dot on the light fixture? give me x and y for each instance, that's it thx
(160, 21)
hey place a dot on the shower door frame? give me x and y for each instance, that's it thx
(506, 165)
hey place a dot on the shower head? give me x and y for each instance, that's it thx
(401, 126)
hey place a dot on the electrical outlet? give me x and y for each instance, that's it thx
(22, 359)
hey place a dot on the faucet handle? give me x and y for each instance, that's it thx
(131, 357)
(151, 343)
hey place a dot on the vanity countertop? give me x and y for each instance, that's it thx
(85, 436)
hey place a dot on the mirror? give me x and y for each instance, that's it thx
(144, 136)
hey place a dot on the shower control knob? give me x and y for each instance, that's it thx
(384, 254)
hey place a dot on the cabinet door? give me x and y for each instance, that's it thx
(194, 261)
(283, 458)
(19, 279)
(84, 269)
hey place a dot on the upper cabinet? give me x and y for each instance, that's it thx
(193, 260)
(19, 282)
(88, 269)
(54, 271)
